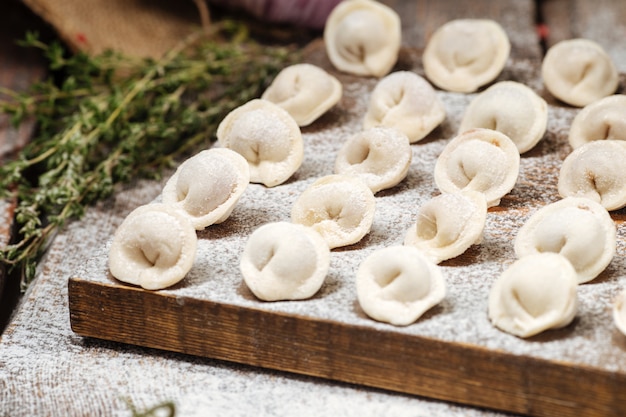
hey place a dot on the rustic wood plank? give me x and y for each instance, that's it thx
(360, 355)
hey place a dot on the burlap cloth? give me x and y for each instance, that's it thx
(134, 27)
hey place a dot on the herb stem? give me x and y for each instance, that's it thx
(113, 118)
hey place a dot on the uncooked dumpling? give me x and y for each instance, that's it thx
(619, 312)
(579, 72)
(398, 284)
(447, 225)
(208, 185)
(596, 170)
(407, 102)
(577, 228)
(305, 91)
(362, 37)
(339, 207)
(465, 54)
(536, 293)
(380, 156)
(602, 119)
(284, 261)
(267, 136)
(154, 247)
(482, 160)
(511, 108)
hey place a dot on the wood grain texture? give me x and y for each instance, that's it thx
(381, 359)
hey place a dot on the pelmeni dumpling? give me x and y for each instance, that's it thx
(339, 207)
(407, 102)
(398, 284)
(602, 119)
(596, 170)
(154, 247)
(380, 156)
(305, 91)
(208, 185)
(465, 54)
(536, 293)
(284, 261)
(362, 37)
(619, 311)
(579, 72)
(267, 136)
(577, 228)
(447, 225)
(482, 160)
(511, 108)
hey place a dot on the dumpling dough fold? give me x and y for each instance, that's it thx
(284, 261)
(602, 119)
(398, 284)
(407, 102)
(482, 160)
(579, 72)
(305, 91)
(596, 171)
(339, 207)
(465, 54)
(380, 156)
(447, 225)
(577, 228)
(267, 136)
(619, 311)
(154, 247)
(534, 294)
(208, 186)
(511, 108)
(362, 37)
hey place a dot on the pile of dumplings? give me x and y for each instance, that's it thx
(562, 245)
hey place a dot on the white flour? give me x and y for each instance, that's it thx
(46, 369)
(462, 317)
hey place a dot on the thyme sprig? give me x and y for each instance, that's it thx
(103, 120)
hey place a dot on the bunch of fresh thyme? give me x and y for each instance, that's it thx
(109, 118)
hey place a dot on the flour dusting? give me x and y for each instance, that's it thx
(462, 316)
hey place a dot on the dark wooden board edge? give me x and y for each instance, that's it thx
(390, 360)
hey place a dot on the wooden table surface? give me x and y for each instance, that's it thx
(46, 369)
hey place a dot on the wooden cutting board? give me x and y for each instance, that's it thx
(452, 353)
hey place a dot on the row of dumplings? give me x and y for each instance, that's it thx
(262, 143)
(363, 37)
(154, 246)
(464, 55)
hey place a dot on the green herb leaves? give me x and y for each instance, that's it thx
(105, 119)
